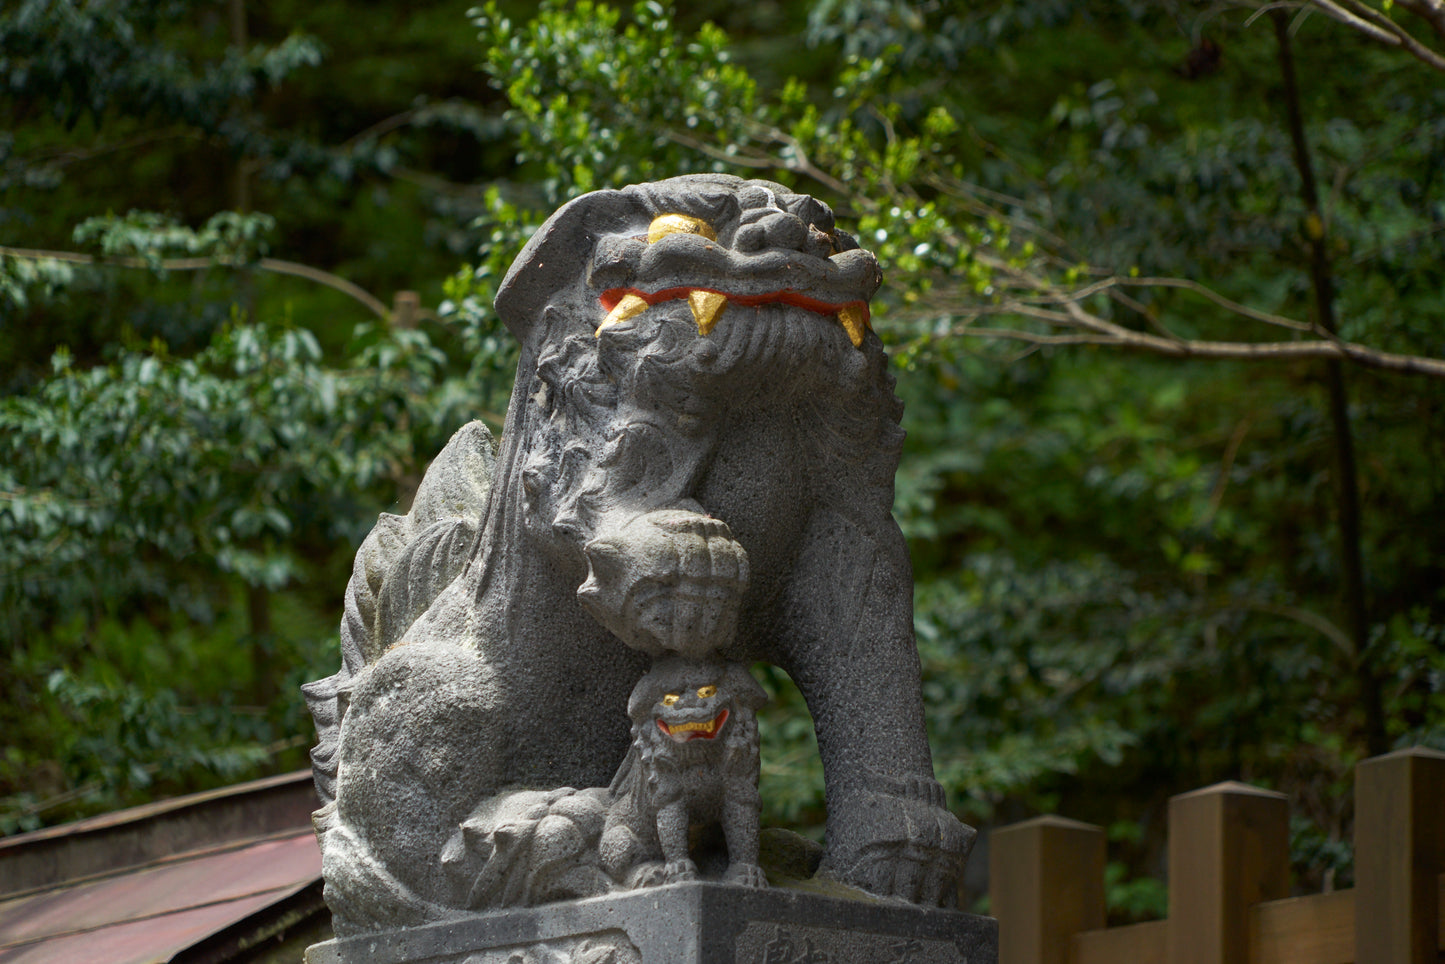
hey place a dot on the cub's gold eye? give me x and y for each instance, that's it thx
(707, 692)
(669, 699)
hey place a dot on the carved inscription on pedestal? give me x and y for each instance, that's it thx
(768, 943)
(605, 947)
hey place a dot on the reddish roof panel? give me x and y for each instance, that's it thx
(151, 913)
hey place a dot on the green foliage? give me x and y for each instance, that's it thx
(206, 459)
(791, 781)
(86, 59)
(597, 103)
(225, 236)
(217, 478)
(1133, 899)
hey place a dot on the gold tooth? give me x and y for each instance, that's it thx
(707, 307)
(629, 306)
(665, 224)
(693, 726)
(855, 322)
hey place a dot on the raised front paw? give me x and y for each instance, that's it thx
(745, 875)
(909, 845)
(667, 581)
(676, 871)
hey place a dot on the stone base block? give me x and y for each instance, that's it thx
(691, 923)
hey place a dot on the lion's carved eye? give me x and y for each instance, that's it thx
(707, 692)
(670, 699)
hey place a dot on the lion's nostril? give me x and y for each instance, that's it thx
(785, 231)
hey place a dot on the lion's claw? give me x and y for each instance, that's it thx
(677, 871)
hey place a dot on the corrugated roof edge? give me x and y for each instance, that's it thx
(140, 835)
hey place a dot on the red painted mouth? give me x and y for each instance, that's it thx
(783, 296)
(696, 730)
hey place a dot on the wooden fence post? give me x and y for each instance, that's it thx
(405, 309)
(1228, 850)
(1399, 856)
(1046, 884)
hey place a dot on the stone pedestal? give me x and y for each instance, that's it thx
(691, 923)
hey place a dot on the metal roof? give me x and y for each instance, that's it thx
(182, 880)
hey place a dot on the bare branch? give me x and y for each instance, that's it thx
(1231, 452)
(1222, 350)
(760, 162)
(335, 282)
(274, 265)
(1431, 11)
(1304, 617)
(1334, 11)
(1251, 313)
(1376, 25)
(804, 165)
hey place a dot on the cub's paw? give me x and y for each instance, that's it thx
(745, 875)
(676, 871)
(646, 874)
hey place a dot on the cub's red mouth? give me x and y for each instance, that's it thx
(694, 729)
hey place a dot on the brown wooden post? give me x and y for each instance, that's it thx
(1228, 850)
(1046, 884)
(405, 308)
(1399, 856)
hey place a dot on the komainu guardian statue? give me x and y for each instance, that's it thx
(696, 471)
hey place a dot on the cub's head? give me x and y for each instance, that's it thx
(690, 702)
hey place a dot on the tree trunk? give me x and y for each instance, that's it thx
(263, 671)
(1346, 475)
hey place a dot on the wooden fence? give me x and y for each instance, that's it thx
(1229, 881)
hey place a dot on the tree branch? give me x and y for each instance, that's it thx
(1095, 334)
(274, 265)
(1376, 25)
(1244, 310)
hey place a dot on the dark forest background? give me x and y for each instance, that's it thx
(247, 253)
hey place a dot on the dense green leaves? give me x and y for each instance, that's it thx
(165, 491)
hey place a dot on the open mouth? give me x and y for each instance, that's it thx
(695, 729)
(707, 306)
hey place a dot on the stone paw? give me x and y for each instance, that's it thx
(914, 848)
(745, 875)
(691, 553)
(676, 871)
(647, 874)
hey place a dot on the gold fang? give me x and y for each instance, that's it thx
(628, 307)
(665, 224)
(707, 307)
(854, 322)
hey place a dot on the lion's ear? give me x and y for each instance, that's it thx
(746, 691)
(639, 705)
(558, 257)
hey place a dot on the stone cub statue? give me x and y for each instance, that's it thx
(693, 764)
